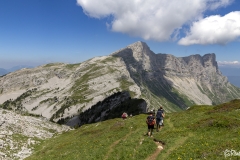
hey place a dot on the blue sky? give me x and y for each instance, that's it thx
(34, 32)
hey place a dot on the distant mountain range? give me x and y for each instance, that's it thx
(4, 71)
(233, 74)
(235, 80)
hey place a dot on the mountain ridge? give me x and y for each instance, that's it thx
(62, 91)
(202, 69)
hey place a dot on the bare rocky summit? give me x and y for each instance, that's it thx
(178, 82)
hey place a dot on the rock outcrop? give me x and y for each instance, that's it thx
(19, 133)
(111, 107)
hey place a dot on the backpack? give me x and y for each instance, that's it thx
(124, 115)
(160, 114)
(150, 120)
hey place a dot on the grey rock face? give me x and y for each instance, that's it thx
(113, 107)
(183, 81)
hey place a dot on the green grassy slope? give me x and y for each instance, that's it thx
(202, 132)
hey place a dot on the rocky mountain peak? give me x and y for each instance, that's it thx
(137, 54)
(140, 49)
(199, 65)
(139, 44)
(210, 59)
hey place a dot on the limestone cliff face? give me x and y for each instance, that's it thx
(203, 69)
(176, 81)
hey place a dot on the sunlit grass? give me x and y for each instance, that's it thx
(202, 132)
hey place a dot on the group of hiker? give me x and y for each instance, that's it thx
(151, 120)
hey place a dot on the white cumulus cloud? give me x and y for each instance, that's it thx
(214, 30)
(214, 4)
(229, 63)
(159, 20)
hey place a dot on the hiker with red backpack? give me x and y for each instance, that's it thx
(150, 122)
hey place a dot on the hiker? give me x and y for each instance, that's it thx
(124, 115)
(160, 115)
(150, 122)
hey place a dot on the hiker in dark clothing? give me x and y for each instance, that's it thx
(160, 115)
(150, 122)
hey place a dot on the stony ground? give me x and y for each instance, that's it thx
(19, 133)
